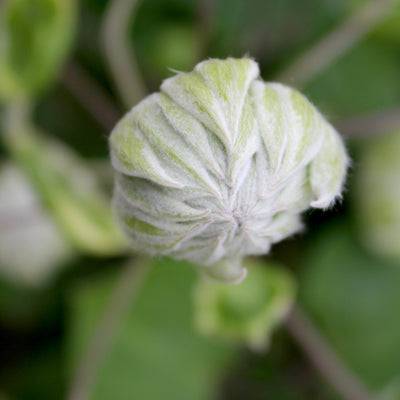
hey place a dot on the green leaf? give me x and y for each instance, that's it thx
(36, 36)
(249, 311)
(364, 79)
(389, 29)
(70, 191)
(168, 45)
(355, 300)
(157, 355)
(391, 391)
(376, 198)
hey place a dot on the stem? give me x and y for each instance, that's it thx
(12, 221)
(313, 61)
(324, 358)
(17, 129)
(205, 16)
(90, 95)
(368, 125)
(16, 116)
(126, 290)
(118, 51)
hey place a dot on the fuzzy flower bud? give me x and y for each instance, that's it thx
(219, 165)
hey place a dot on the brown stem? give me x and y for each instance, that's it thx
(324, 358)
(329, 48)
(367, 125)
(205, 16)
(90, 95)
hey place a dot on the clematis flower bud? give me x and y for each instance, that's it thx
(219, 165)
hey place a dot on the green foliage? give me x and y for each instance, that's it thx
(389, 30)
(355, 299)
(376, 198)
(70, 191)
(352, 294)
(362, 80)
(157, 355)
(40, 376)
(35, 36)
(175, 46)
(391, 391)
(248, 311)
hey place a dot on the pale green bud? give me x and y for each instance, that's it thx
(220, 164)
(248, 312)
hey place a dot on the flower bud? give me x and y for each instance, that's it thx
(220, 164)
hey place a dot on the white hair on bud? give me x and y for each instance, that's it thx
(220, 165)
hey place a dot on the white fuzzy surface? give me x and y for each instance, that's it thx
(220, 164)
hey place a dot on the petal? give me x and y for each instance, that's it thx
(328, 169)
(290, 127)
(132, 154)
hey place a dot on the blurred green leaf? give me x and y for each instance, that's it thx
(248, 311)
(69, 189)
(38, 375)
(355, 299)
(391, 391)
(363, 80)
(376, 195)
(390, 28)
(175, 46)
(35, 37)
(274, 31)
(27, 308)
(158, 355)
(164, 35)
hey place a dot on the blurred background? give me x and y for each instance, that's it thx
(80, 317)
